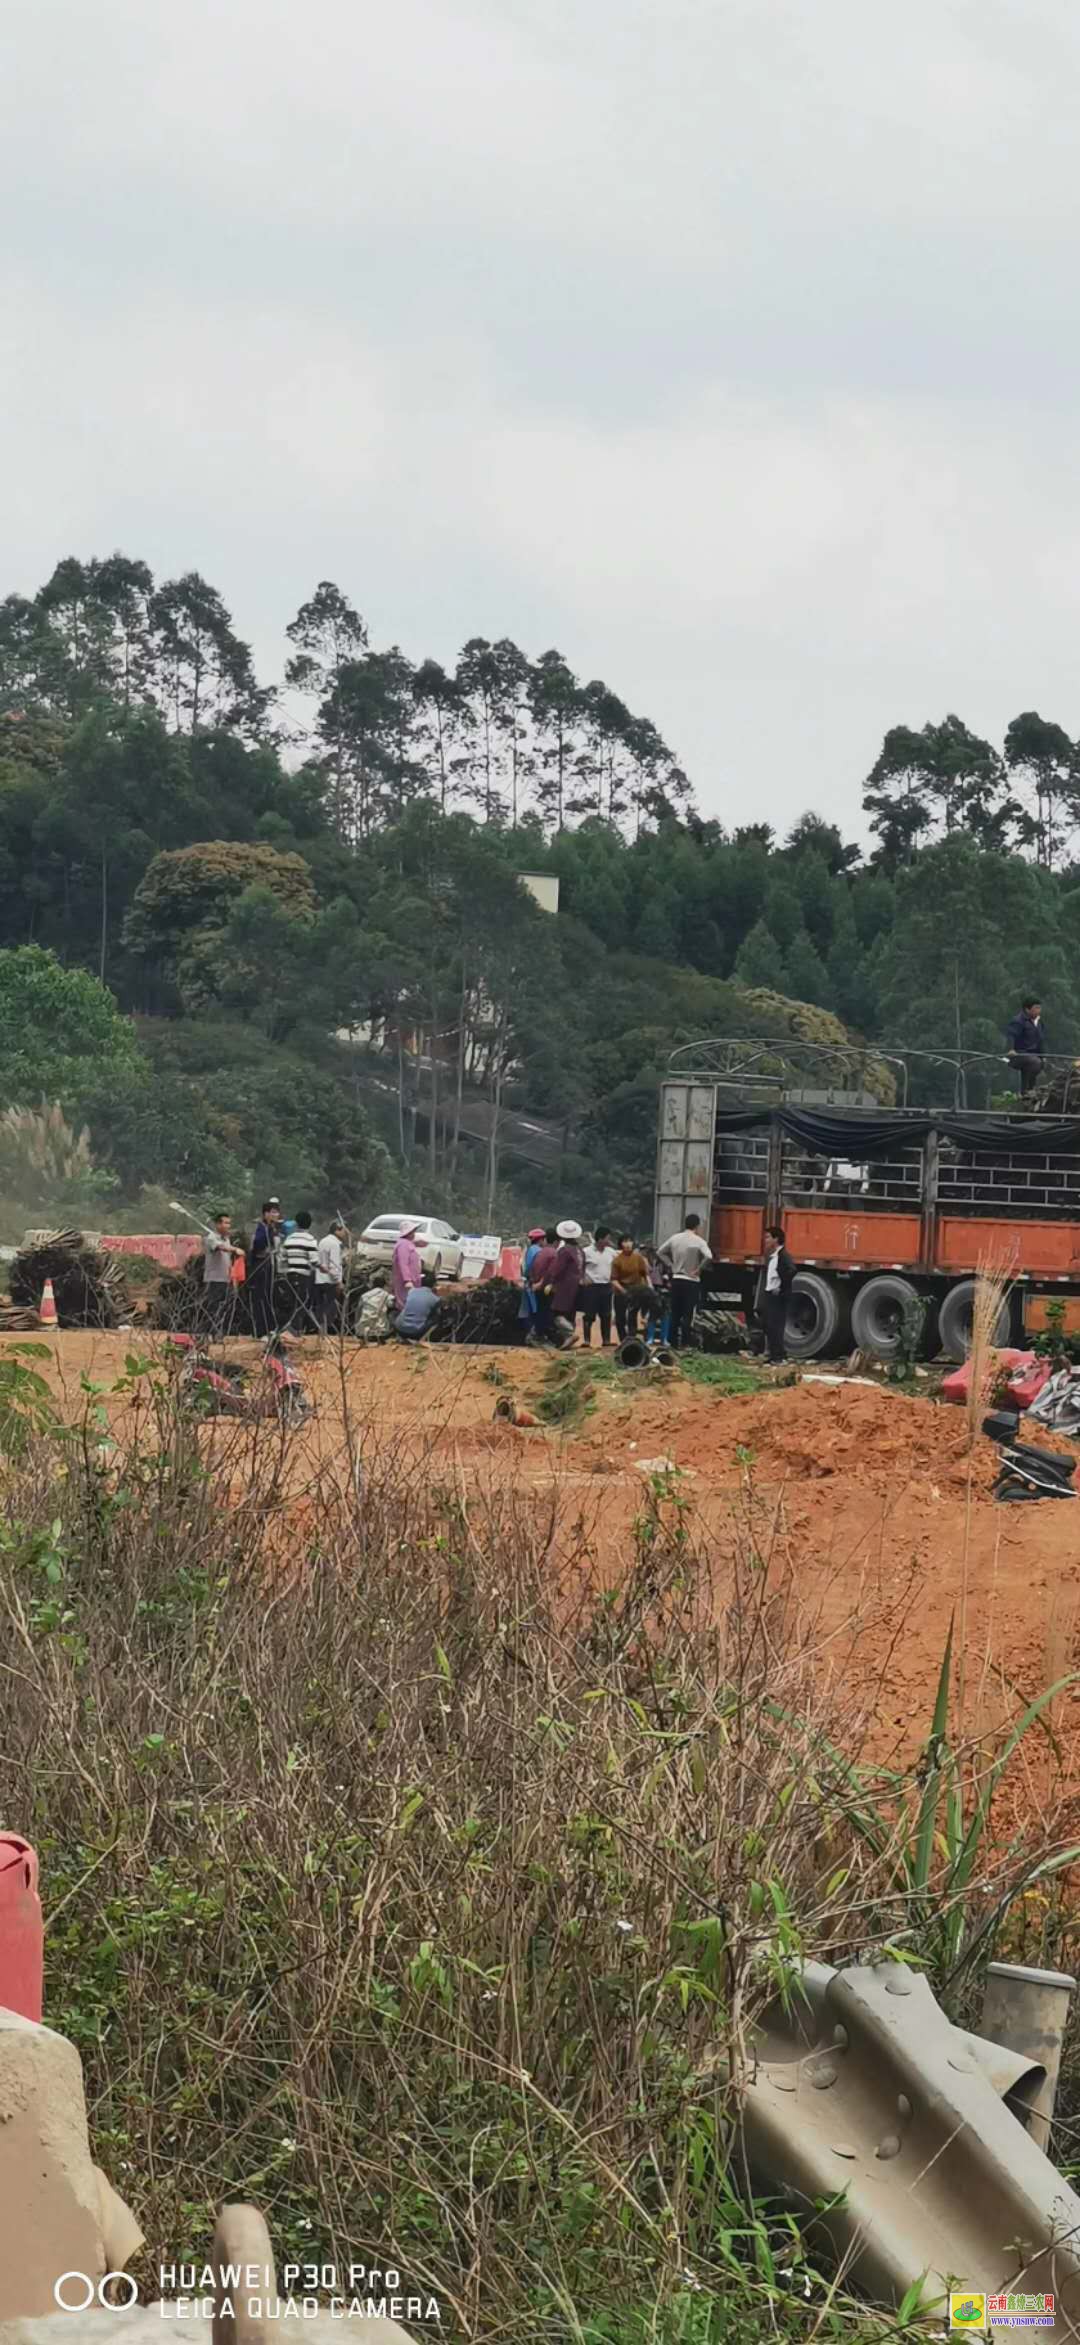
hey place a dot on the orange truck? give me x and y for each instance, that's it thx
(883, 1209)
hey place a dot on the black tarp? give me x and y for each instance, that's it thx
(860, 1138)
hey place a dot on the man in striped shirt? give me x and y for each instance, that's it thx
(298, 1258)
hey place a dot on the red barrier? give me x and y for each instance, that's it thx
(172, 1251)
(22, 1936)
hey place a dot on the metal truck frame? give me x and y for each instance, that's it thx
(875, 1231)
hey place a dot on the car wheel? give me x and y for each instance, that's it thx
(436, 1267)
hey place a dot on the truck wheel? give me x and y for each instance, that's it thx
(813, 1316)
(955, 1317)
(877, 1315)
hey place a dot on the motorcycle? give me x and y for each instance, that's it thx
(228, 1388)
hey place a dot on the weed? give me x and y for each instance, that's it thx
(431, 1895)
(722, 1372)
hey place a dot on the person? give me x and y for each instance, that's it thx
(422, 1305)
(658, 1321)
(265, 1239)
(408, 1268)
(330, 1279)
(687, 1253)
(567, 1272)
(299, 1255)
(218, 1254)
(629, 1271)
(543, 1263)
(773, 1289)
(1025, 1039)
(597, 1290)
(527, 1313)
(376, 1311)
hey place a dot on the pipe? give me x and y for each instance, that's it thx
(1028, 2010)
(633, 1353)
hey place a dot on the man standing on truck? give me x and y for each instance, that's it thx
(687, 1253)
(1026, 1046)
(773, 1289)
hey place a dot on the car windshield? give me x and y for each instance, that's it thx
(387, 1223)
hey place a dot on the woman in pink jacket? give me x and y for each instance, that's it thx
(408, 1268)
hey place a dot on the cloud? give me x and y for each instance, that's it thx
(729, 347)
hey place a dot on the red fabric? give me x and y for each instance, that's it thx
(1023, 1367)
(1027, 1384)
(22, 1937)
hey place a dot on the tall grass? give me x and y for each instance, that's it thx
(418, 1879)
(989, 1308)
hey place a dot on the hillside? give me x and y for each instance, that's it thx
(247, 873)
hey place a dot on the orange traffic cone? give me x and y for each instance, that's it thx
(47, 1312)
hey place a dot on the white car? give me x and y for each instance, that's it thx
(439, 1246)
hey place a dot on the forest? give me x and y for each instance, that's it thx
(274, 934)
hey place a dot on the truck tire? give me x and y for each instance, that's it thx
(813, 1316)
(954, 1320)
(877, 1315)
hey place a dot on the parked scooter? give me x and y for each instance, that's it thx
(228, 1388)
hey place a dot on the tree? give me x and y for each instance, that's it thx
(1042, 756)
(813, 835)
(444, 714)
(328, 633)
(181, 906)
(491, 678)
(783, 914)
(759, 960)
(57, 1027)
(369, 715)
(943, 773)
(204, 673)
(806, 977)
(555, 705)
(33, 672)
(972, 932)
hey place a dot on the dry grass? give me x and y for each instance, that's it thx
(406, 1879)
(992, 1289)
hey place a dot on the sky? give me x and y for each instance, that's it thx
(729, 345)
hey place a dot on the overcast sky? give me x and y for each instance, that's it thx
(730, 345)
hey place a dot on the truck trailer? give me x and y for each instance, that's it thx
(881, 1207)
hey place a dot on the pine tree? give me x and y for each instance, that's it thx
(759, 960)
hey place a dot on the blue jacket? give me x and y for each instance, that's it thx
(1025, 1034)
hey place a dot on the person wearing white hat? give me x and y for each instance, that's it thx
(567, 1272)
(408, 1268)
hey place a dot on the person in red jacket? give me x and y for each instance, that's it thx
(540, 1269)
(567, 1273)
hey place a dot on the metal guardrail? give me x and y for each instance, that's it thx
(747, 1066)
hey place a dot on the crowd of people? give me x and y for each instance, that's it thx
(296, 1283)
(568, 1273)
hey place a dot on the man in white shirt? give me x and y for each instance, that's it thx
(596, 1292)
(330, 1278)
(687, 1253)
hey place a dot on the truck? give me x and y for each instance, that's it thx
(889, 1211)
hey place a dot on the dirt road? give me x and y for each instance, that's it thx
(869, 1497)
